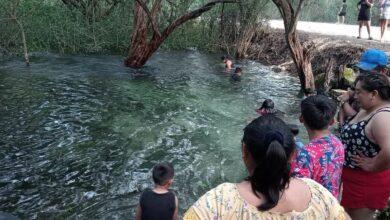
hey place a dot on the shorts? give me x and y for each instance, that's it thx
(343, 13)
(363, 189)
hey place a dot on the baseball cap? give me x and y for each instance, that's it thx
(372, 58)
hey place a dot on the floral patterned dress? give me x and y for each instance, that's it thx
(225, 202)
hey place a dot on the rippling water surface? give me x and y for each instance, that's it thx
(79, 135)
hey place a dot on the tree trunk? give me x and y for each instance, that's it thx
(301, 60)
(300, 55)
(141, 49)
(139, 52)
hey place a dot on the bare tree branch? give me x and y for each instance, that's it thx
(193, 14)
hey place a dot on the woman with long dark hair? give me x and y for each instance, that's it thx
(268, 192)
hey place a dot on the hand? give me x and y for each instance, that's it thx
(344, 97)
(366, 163)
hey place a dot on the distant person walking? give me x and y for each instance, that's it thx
(342, 13)
(384, 17)
(364, 17)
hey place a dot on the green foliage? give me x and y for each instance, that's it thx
(50, 26)
(53, 26)
(385, 214)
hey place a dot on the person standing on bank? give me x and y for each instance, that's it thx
(384, 17)
(364, 17)
(342, 13)
(366, 172)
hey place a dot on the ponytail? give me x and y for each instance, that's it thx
(270, 148)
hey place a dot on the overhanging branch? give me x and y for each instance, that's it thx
(193, 14)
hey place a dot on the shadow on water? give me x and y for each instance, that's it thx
(79, 135)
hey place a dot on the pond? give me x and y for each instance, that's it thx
(80, 134)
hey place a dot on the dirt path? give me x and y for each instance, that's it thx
(330, 46)
(332, 29)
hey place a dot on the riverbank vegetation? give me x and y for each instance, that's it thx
(105, 26)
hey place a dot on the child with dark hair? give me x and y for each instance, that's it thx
(159, 203)
(323, 157)
(268, 107)
(236, 76)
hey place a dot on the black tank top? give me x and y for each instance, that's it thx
(156, 206)
(355, 139)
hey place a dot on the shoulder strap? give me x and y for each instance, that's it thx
(384, 109)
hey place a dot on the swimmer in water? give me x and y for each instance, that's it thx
(268, 107)
(228, 62)
(236, 76)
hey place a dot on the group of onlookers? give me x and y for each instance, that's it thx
(364, 16)
(339, 176)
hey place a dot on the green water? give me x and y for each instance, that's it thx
(79, 135)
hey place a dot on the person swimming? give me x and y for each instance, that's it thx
(228, 62)
(268, 107)
(236, 76)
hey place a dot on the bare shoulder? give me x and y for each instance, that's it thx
(382, 119)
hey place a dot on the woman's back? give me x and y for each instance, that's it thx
(304, 199)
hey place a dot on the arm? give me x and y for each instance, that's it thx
(176, 213)
(369, 3)
(345, 108)
(348, 110)
(139, 213)
(380, 131)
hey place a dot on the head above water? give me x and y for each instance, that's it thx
(267, 107)
(372, 89)
(317, 112)
(267, 146)
(163, 173)
(268, 104)
(225, 58)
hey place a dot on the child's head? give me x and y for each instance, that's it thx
(344, 1)
(163, 174)
(225, 58)
(238, 70)
(268, 107)
(317, 112)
